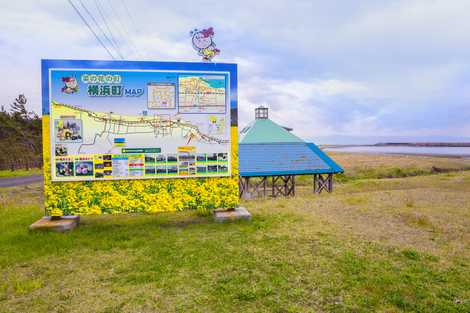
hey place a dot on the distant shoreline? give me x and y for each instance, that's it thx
(429, 155)
(423, 144)
(441, 150)
(402, 144)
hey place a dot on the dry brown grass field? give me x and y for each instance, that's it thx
(394, 236)
(354, 162)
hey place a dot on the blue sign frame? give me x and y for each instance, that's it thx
(47, 64)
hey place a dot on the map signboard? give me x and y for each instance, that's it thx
(159, 120)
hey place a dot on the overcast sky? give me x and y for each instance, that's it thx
(371, 68)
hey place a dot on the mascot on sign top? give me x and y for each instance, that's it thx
(204, 44)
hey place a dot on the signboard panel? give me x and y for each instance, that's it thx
(114, 122)
(134, 136)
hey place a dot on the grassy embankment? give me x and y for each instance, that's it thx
(385, 245)
(18, 173)
(369, 166)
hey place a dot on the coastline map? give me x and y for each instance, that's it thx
(125, 124)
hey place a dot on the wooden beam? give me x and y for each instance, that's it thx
(276, 189)
(321, 183)
(330, 182)
(244, 187)
(293, 185)
(281, 185)
(265, 183)
(259, 188)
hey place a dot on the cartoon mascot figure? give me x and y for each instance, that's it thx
(71, 85)
(204, 44)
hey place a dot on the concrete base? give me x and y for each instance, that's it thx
(239, 213)
(63, 224)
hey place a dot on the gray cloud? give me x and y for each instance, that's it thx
(325, 68)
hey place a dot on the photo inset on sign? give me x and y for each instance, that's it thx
(212, 169)
(149, 170)
(84, 168)
(161, 170)
(212, 157)
(149, 158)
(173, 170)
(68, 130)
(202, 169)
(201, 157)
(64, 169)
(222, 168)
(171, 158)
(60, 150)
(186, 157)
(222, 157)
(161, 158)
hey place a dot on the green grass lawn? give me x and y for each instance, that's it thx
(374, 245)
(21, 172)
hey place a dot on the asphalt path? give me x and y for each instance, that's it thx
(22, 180)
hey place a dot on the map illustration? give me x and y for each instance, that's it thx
(202, 94)
(139, 125)
(161, 96)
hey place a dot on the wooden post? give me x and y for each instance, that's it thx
(280, 185)
(244, 187)
(285, 180)
(315, 182)
(330, 182)
(272, 189)
(259, 188)
(265, 182)
(293, 185)
(321, 183)
(241, 187)
(247, 186)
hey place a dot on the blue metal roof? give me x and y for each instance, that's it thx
(269, 159)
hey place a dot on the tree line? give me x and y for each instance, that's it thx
(20, 136)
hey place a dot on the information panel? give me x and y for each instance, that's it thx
(136, 124)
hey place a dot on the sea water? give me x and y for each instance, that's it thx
(438, 151)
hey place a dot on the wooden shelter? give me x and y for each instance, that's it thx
(271, 157)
